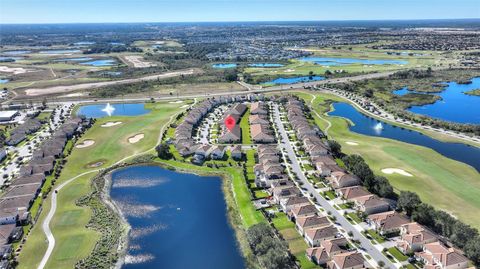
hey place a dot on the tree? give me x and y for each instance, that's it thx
(408, 201)
(382, 187)
(472, 250)
(335, 147)
(163, 151)
(328, 73)
(425, 215)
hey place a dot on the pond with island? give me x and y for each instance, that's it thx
(365, 125)
(177, 220)
(105, 110)
(455, 105)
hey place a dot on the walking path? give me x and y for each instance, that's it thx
(53, 207)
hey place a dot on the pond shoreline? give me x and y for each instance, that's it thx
(228, 196)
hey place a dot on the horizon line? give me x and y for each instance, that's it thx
(240, 21)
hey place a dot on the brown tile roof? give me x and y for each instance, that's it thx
(349, 259)
(312, 221)
(353, 192)
(321, 233)
(389, 220)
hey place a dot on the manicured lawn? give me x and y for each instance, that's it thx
(376, 236)
(330, 194)
(261, 194)
(245, 126)
(354, 217)
(439, 181)
(44, 115)
(397, 254)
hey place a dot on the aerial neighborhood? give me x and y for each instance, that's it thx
(277, 123)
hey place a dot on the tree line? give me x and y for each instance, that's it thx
(458, 233)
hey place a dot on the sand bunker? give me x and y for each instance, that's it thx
(351, 143)
(85, 144)
(134, 139)
(402, 172)
(289, 70)
(176, 102)
(111, 123)
(184, 106)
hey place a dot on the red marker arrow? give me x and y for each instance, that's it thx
(230, 122)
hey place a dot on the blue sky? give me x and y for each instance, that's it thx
(71, 11)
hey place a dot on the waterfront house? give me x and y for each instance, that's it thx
(217, 152)
(387, 222)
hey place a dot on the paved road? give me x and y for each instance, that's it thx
(87, 86)
(340, 219)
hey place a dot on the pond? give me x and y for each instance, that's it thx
(55, 52)
(106, 62)
(455, 106)
(3, 81)
(372, 127)
(84, 43)
(224, 65)
(294, 80)
(178, 220)
(16, 52)
(330, 61)
(265, 65)
(10, 59)
(79, 59)
(104, 110)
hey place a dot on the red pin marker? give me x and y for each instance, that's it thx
(230, 122)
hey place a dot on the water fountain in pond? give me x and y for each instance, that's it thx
(378, 127)
(108, 109)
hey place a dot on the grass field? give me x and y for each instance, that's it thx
(296, 243)
(74, 241)
(245, 126)
(444, 183)
(296, 67)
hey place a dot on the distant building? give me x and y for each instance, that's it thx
(8, 115)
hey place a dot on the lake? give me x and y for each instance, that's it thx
(294, 80)
(10, 59)
(178, 220)
(3, 81)
(265, 65)
(455, 106)
(366, 126)
(84, 43)
(224, 66)
(106, 62)
(99, 110)
(54, 52)
(330, 61)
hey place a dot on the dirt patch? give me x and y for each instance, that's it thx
(14, 70)
(110, 124)
(399, 171)
(136, 138)
(138, 62)
(85, 144)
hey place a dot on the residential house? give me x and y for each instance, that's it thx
(315, 236)
(436, 255)
(349, 193)
(261, 134)
(387, 222)
(341, 179)
(231, 136)
(310, 221)
(370, 204)
(327, 249)
(236, 152)
(349, 260)
(302, 211)
(413, 237)
(258, 108)
(288, 204)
